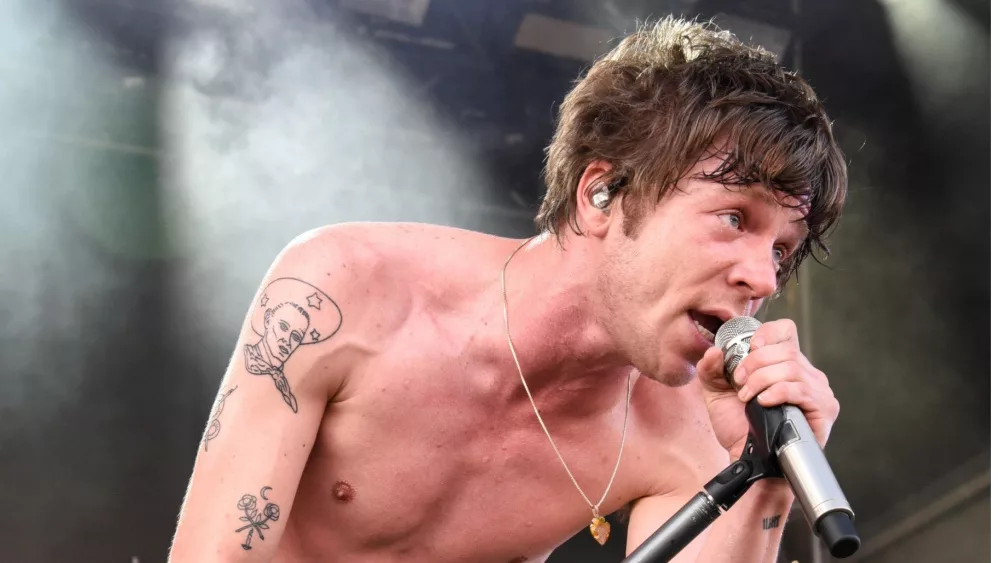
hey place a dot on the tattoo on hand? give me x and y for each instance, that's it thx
(290, 313)
(772, 522)
(215, 426)
(256, 522)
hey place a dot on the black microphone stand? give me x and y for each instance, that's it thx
(759, 461)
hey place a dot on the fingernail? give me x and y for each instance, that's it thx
(739, 375)
(743, 394)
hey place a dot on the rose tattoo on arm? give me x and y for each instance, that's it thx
(256, 522)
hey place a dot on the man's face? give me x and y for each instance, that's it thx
(706, 253)
(284, 330)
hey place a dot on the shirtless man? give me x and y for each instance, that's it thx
(377, 405)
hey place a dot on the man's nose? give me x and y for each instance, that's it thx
(756, 274)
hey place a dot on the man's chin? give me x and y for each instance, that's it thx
(675, 378)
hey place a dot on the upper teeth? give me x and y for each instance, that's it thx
(704, 331)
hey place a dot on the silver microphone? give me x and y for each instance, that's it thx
(799, 455)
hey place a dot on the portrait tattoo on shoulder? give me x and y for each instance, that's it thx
(290, 313)
(214, 426)
(256, 522)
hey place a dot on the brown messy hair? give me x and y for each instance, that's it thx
(661, 99)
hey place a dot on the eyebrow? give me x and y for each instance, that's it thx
(760, 193)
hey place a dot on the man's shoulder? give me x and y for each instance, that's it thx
(383, 268)
(383, 277)
(372, 247)
(400, 258)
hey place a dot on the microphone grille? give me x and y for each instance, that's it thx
(734, 327)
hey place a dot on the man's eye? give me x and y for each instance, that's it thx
(732, 220)
(283, 325)
(779, 255)
(296, 337)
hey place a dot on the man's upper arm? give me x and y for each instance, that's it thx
(272, 399)
(649, 513)
(690, 457)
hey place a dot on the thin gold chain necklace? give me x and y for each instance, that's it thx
(599, 527)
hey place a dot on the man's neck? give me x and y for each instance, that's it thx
(553, 310)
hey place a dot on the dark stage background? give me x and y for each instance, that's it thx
(157, 154)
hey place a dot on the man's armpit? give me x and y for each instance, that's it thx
(622, 514)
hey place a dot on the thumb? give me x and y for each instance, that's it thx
(710, 371)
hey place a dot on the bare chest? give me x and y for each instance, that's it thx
(422, 464)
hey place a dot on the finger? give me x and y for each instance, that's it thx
(789, 393)
(775, 332)
(766, 356)
(766, 377)
(821, 378)
(833, 406)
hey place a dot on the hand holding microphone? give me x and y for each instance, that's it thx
(771, 368)
(764, 361)
(771, 426)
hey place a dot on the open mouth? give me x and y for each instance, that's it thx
(283, 350)
(706, 324)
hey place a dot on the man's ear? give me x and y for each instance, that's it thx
(594, 214)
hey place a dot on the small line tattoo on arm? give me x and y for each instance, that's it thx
(289, 314)
(256, 522)
(772, 522)
(214, 426)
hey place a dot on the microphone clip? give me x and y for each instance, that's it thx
(768, 431)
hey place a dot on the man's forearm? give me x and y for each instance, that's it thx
(751, 530)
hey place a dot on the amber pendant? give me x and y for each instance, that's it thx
(600, 529)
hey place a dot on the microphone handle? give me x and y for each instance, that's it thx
(816, 488)
(799, 456)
